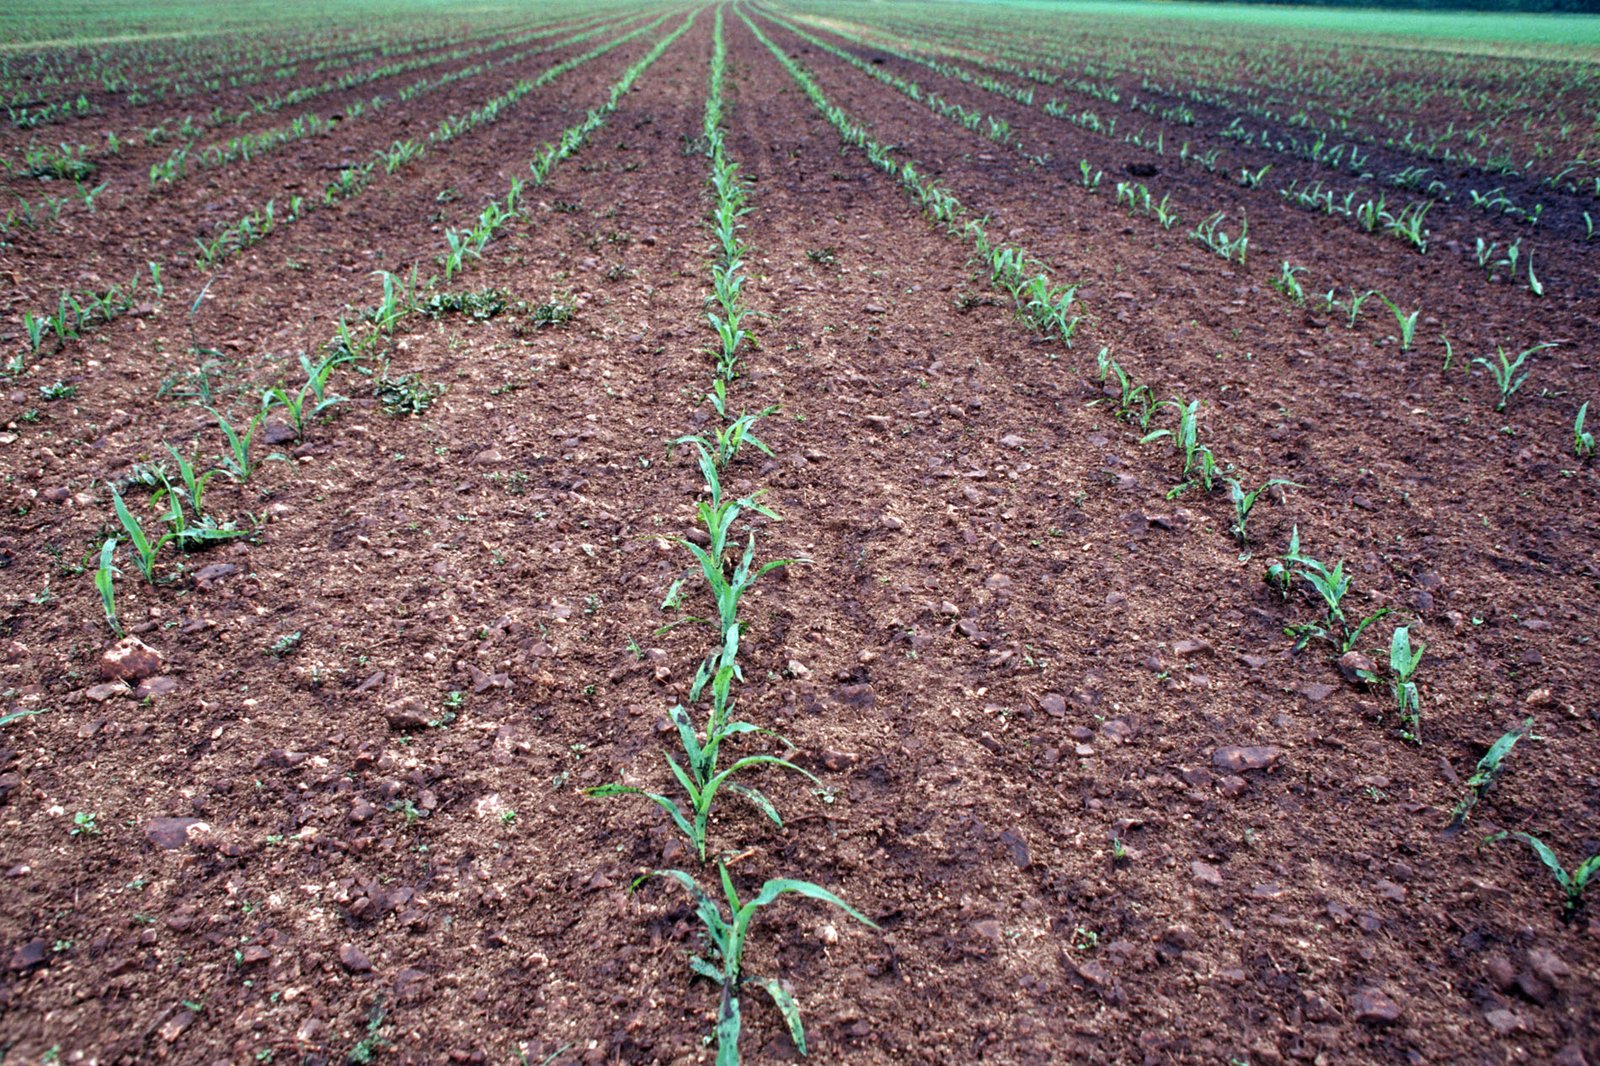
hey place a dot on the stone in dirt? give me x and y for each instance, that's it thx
(155, 687)
(1190, 649)
(1375, 1007)
(407, 716)
(1356, 667)
(129, 659)
(33, 954)
(169, 834)
(354, 959)
(107, 690)
(1238, 759)
(1205, 873)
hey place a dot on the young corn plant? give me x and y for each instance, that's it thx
(236, 461)
(699, 774)
(1244, 501)
(1488, 771)
(1328, 586)
(726, 933)
(1582, 439)
(1508, 374)
(1210, 234)
(104, 580)
(1288, 283)
(1573, 883)
(192, 482)
(1406, 323)
(1403, 663)
(1199, 464)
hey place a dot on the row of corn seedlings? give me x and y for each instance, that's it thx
(256, 225)
(1213, 234)
(246, 147)
(77, 312)
(1295, 571)
(1328, 587)
(699, 767)
(1406, 224)
(178, 492)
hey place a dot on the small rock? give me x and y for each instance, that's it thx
(214, 572)
(1118, 730)
(412, 985)
(407, 716)
(354, 959)
(1205, 873)
(1238, 759)
(1375, 1007)
(1011, 440)
(169, 834)
(1190, 649)
(1054, 704)
(1503, 1021)
(362, 812)
(107, 690)
(1316, 691)
(155, 687)
(254, 954)
(174, 1026)
(129, 659)
(1356, 667)
(276, 432)
(857, 696)
(30, 955)
(988, 929)
(1500, 972)
(837, 761)
(1547, 965)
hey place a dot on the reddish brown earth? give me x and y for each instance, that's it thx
(1025, 672)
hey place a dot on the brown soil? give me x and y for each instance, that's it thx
(1020, 666)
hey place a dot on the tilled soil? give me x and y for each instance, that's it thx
(1097, 805)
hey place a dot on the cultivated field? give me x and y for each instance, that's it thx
(1060, 535)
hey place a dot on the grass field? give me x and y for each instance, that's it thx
(890, 532)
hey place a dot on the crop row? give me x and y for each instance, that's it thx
(1294, 574)
(259, 223)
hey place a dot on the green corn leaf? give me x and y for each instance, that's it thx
(1541, 849)
(789, 1009)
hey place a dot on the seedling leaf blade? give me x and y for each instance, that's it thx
(791, 1010)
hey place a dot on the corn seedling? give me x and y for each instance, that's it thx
(1198, 462)
(1329, 586)
(192, 482)
(1251, 179)
(1488, 771)
(724, 443)
(702, 780)
(1245, 501)
(1572, 883)
(236, 460)
(1406, 323)
(1403, 663)
(1535, 286)
(1209, 233)
(1353, 309)
(1506, 373)
(726, 933)
(1582, 439)
(104, 577)
(1288, 283)
(1088, 176)
(145, 551)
